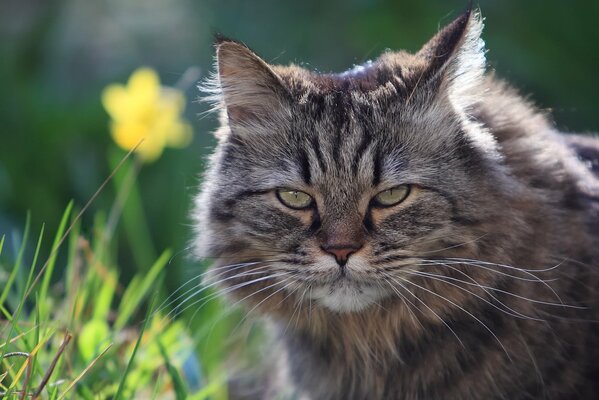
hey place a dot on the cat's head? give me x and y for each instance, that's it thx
(327, 186)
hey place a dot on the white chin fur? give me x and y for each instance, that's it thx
(347, 297)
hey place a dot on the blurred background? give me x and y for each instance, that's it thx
(56, 56)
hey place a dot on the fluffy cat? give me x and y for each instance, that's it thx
(412, 228)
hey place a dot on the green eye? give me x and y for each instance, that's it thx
(392, 197)
(294, 199)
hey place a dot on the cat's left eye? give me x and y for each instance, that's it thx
(295, 199)
(391, 197)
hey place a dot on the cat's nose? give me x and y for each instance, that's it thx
(341, 252)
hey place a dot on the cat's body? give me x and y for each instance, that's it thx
(479, 280)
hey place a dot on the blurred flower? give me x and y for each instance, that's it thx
(145, 110)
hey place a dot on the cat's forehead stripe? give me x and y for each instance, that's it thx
(363, 146)
(305, 166)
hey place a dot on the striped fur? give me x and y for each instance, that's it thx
(482, 284)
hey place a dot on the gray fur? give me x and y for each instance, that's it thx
(501, 205)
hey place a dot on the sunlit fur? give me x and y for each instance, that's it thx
(481, 284)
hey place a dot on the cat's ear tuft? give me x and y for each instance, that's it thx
(249, 88)
(456, 54)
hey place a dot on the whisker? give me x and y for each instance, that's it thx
(178, 253)
(291, 293)
(226, 290)
(199, 277)
(547, 303)
(396, 246)
(457, 245)
(443, 279)
(405, 301)
(463, 309)
(292, 281)
(234, 305)
(507, 266)
(487, 268)
(427, 306)
(222, 315)
(483, 287)
(410, 253)
(203, 286)
(295, 310)
(482, 264)
(467, 277)
(263, 289)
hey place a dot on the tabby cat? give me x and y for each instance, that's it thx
(411, 228)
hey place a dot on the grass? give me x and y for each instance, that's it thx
(72, 328)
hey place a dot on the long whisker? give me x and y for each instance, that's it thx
(474, 281)
(450, 262)
(231, 267)
(443, 279)
(461, 308)
(234, 305)
(422, 262)
(457, 245)
(405, 301)
(547, 303)
(507, 266)
(425, 240)
(484, 264)
(292, 281)
(227, 312)
(239, 255)
(295, 309)
(425, 305)
(226, 290)
(397, 246)
(204, 287)
(290, 278)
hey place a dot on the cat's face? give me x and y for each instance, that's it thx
(326, 187)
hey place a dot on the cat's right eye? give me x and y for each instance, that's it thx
(295, 199)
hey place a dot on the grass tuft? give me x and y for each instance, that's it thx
(87, 332)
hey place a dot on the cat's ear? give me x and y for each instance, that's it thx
(456, 54)
(249, 88)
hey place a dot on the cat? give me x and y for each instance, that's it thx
(411, 228)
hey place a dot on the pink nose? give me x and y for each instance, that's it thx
(341, 252)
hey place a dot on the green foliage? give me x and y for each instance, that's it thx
(118, 350)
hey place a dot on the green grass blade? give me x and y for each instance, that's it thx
(52, 261)
(73, 245)
(121, 388)
(134, 299)
(157, 386)
(216, 389)
(16, 315)
(36, 336)
(104, 298)
(178, 385)
(18, 261)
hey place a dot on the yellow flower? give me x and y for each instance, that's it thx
(145, 110)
